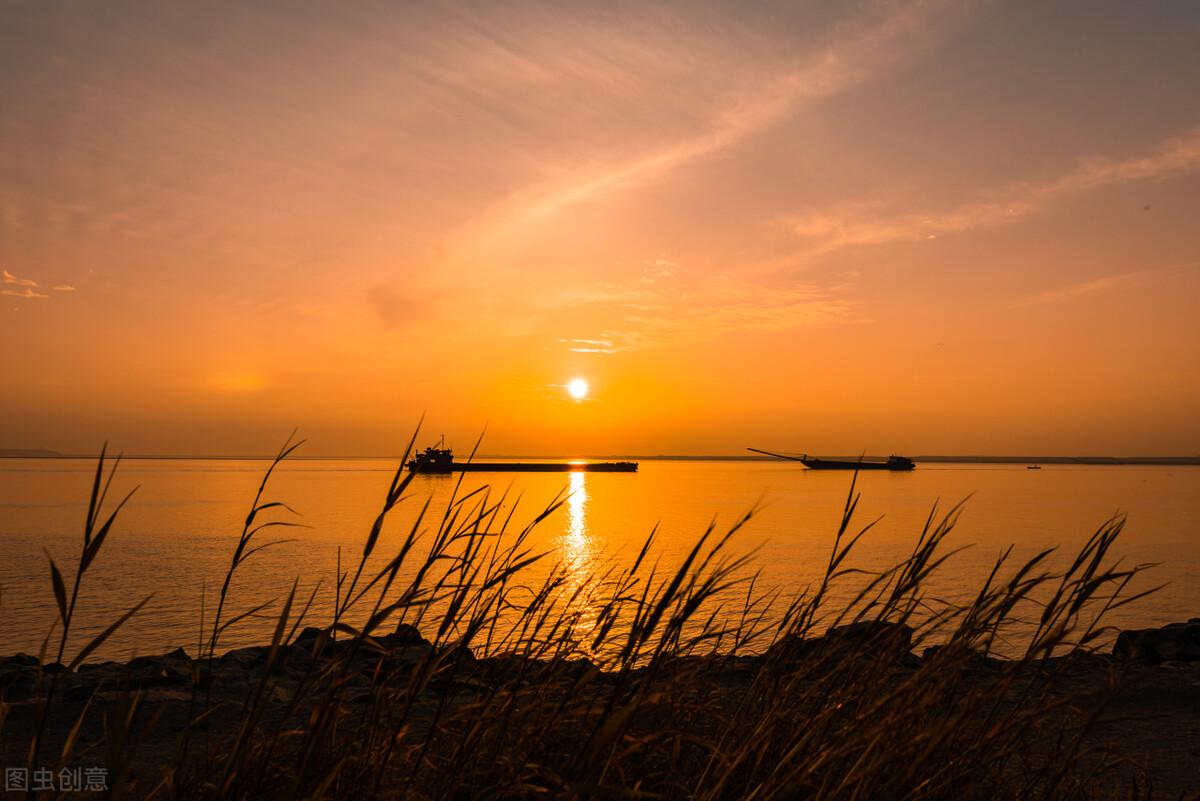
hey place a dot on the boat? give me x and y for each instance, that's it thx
(814, 463)
(439, 460)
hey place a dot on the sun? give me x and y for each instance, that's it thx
(577, 388)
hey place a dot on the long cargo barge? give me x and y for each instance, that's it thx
(440, 461)
(814, 463)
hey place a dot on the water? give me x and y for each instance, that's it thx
(176, 536)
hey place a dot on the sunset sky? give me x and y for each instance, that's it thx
(899, 227)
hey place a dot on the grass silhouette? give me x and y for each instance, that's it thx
(449, 674)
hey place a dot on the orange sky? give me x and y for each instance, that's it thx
(913, 227)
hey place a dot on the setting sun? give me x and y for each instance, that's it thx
(577, 388)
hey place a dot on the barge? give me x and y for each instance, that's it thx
(813, 463)
(440, 461)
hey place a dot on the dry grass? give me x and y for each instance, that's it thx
(642, 682)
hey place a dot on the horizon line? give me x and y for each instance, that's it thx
(36, 453)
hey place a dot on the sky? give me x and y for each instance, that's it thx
(912, 227)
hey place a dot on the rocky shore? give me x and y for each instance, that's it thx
(1149, 686)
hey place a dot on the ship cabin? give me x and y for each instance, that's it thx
(433, 460)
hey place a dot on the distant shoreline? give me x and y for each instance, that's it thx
(1150, 461)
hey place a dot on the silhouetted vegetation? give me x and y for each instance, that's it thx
(449, 674)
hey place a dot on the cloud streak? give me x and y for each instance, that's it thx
(732, 310)
(27, 286)
(9, 278)
(27, 292)
(1098, 285)
(645, 316)
(859, 49)
(862, 224)
(589, 345)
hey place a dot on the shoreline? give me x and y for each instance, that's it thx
(1169, 642)
(1156, 670)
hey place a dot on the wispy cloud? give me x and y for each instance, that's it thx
(859, 49)
(869, 224)
(650, 315)
(589, 345)
(28, 287)
(658, 269)
(27, 292)
(731, 310)
(9, 278)
(1098, 285)
(665, 303)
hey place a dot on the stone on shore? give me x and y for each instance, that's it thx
(1175, 642)
(874, 638)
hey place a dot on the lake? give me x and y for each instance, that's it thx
(176, 536)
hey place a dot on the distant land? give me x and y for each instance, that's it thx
(1132, 460)
(1098, 460)
(1094, 460)
(1164, 461)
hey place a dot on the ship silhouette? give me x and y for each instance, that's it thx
(439, 460)
(893, 462)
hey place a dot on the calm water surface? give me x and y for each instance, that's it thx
(176, 536)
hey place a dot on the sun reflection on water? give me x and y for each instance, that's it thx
(579, 553)
(577, 543)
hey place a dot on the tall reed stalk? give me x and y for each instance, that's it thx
(96, 529)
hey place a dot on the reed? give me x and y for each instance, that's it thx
(95, 532)
(450, 673)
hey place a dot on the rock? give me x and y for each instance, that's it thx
(251, 658)
(80, 691)
(577, 668)
(1080, 661)
(18, 661)
(454, 664)
(389, 662)
(409, 655)
(510, 667)
(1134, 644)
(165, 695)
(19, 688)
(1174, 642)
(308, 638)
(404, 635)
(457, 655)
(386, 655)
(874, 634)
(867, 638)
(404, 645)
(174, 658)
(172, 668)
(962, 655)
(404, 638)
(18, 676)
(142, 673)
